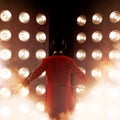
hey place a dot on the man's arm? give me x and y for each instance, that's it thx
(79, 76)
(36, 73)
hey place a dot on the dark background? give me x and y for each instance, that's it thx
(62, 14)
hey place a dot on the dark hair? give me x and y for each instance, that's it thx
(58, 45)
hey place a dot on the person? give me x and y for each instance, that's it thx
(58, 67)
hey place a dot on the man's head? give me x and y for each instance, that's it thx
(59, 45)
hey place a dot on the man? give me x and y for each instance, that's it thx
(58, 67)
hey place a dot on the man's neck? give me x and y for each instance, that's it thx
(57, 52)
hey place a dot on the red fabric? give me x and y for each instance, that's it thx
(58, 92)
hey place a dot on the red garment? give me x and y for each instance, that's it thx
(58, 69)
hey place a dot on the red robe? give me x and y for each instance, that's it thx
(58, 69)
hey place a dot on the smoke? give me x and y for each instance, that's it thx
(102, 103)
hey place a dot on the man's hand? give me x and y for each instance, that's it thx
(17, 88)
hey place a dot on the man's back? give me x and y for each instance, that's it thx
(59, 95)
(58, 69)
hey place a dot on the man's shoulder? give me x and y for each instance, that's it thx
(69, 58)
(59, 57)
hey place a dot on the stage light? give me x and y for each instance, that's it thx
(94, 92)
(40, 89)
(114, 35)
(80, 106)
(114, 54)
(97, 18)
(24, 40)
(5, 92)
(24, 91)
(80, 89)
(24, 72)
(41, 37)
(5, 15)
(113, 75)
(40, 54)
(24, 17)
(41, 19)
(24, 35)
(82, 69)
(5, 54)
(114, 16)
(97, 54)
(97, 36)
(40, 106)
(43, 74)
(23, 54)
(96, 73)
(81, 20)
(15, 42)
(5, 35)
(5, 73)
(24, 108)
(81, 37)
(80, 54)
(103, 100)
